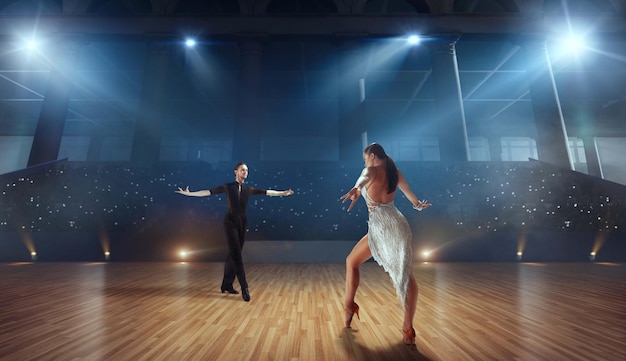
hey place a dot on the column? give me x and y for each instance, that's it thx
(495, 148)
(193, 149)
(49, 131)
(351, 100)
(148, 126)
(591, 154)
(249, 113)
(453, 142)
(552, 143)
(95, 147)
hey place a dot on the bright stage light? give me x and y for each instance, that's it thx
(33, 256)
(107, 255)
(574, 44)
(183, 255)
(190, 42)
(426, 254)
(571, 45)
(413, 40)
(519, 256)
(31, 45)
(592, 256)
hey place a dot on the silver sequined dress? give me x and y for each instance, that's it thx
(391, 242)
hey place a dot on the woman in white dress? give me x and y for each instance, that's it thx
(388, 240)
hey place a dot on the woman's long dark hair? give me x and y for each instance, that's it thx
(390, 165)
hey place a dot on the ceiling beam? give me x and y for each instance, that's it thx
(374, 26)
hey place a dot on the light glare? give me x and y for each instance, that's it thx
(413, 39)
(570, 45)
(31, 45)
(574, 44)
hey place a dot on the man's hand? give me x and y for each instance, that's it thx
(183, 191)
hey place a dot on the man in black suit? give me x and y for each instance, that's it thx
(235, 224)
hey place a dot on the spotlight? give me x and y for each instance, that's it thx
(33, 256)
(592, 256)
(107, 255)
(519, 256)
(570, 45)
(31, 45)
(574, 44)
(190, 42)
(413, 40)
(426, 254)
(183, 255)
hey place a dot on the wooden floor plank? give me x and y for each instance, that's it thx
(175, 311)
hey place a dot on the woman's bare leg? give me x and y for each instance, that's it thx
(411, 303)
(359, 254)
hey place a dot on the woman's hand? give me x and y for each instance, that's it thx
(352, 195)
(421, 205)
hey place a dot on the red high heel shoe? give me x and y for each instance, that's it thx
(408, 336)
(351, 312)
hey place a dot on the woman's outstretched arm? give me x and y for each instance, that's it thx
(354, 193)
(406, 189)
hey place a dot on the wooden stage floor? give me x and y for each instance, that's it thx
(175, 311)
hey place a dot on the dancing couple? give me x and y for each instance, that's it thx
(388, 240)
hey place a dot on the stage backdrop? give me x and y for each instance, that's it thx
(482, 211)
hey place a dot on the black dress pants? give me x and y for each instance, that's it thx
(235, 228)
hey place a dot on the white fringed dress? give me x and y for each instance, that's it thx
(391, 242)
